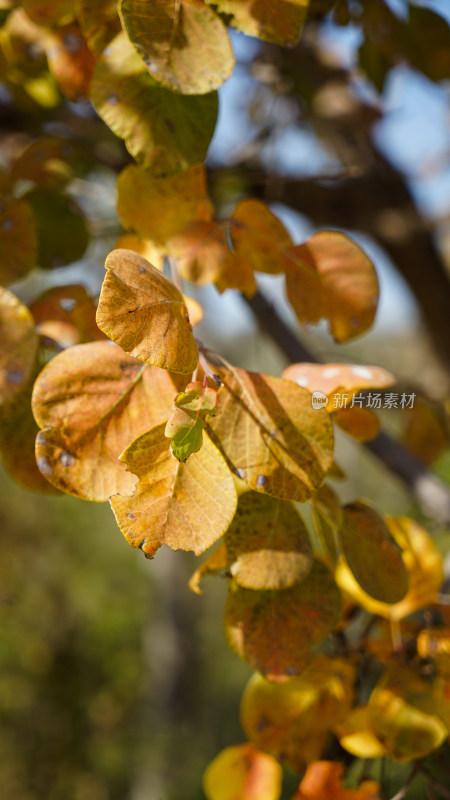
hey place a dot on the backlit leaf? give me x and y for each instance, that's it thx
(18, 246)
(328, 518)
(292, 720)
(185, 425)
(61, 228)
(259, 237)
(91, 400)
(357, 736)
(401, 715)
(158, 208)
(185, 506)
(66, 314)
(330, 277)
(278, 443)
(426, 432)
(70, 61)
(278, 21)
(18, 346)
(268, 544)
(242, 773)
(184, 45)
(215, 563)
(323, 780)
(143, 312)
(373, 556)
(99, 21)
(423, 563)
(146, 247)
(360, 423)
(338, 379)
(274, 631)
(163, 131)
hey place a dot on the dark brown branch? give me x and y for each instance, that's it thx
(432, 494)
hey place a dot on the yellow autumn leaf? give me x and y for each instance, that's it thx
(243, 773)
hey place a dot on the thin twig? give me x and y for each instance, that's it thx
(411, 777)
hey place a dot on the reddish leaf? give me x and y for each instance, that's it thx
(70, 61)
(323, 781)
(338, 379)
(242, 773)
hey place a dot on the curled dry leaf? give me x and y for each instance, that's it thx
(184, 45)
(372, 554)
(159, 208)
(279, 21)
(243, 773)
(215, 563)
(143, 312)
(185, 425)
(274, 631)
(278, 443)
(185, 506)
(91, 400)
(163, 131)
(423, 563)
(330, 277)
(338, 379)
(293, 720)
(267, 543)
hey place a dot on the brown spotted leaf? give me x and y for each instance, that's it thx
(277, 442)
(267, 543)
(279, 21)
(184, 44)
(330, 277)
(18, 245)
(165, 132)
(274, 631)
(18, 346)
(91, 400)
(142, 311)
(243, 773)
(339, 382)
(293, 720)
(158, 208)
(99, 21)
(185, 506)
(372, 554)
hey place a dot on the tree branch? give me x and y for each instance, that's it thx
(432, 495)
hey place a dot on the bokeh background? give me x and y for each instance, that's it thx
(115, 680)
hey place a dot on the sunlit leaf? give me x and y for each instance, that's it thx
(158, 208)
(242, 773)
(401, 712)
(91, 400)
(163, 131)
(434, 643)
(99, 21)
(185, 506)
(278, 21)
(146, 247)
(18, 246)
(323, 780)
(61, 227)
(70, 61)
(423, 563)
(372, 555)
(184, 45)
(18, 346)
(215, 563)
(338, 379)
(274, 631)
(330, 277)
(292, 720)
(259, 237)
(66, 314)
(268, 544)
(143, 312)
(185, 425)
(360, 423)
(278, 443)
(23, 44)
(357, 736)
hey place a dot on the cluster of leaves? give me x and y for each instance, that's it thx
(189, 449)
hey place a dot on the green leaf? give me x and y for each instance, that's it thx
(184, 45)
(165, 132)
(185, 425)
(61, 227)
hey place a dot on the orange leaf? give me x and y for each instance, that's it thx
(91, 400)
(278, 443)
(143, 312)
(338, 379)
(259, 237)
(331, 277)
(66, 314)
(360, 423)
(274, 631)
(323, 781)
(70, 61)
(426, 432)
(18, 346)
(242, 773)
(185, 506)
